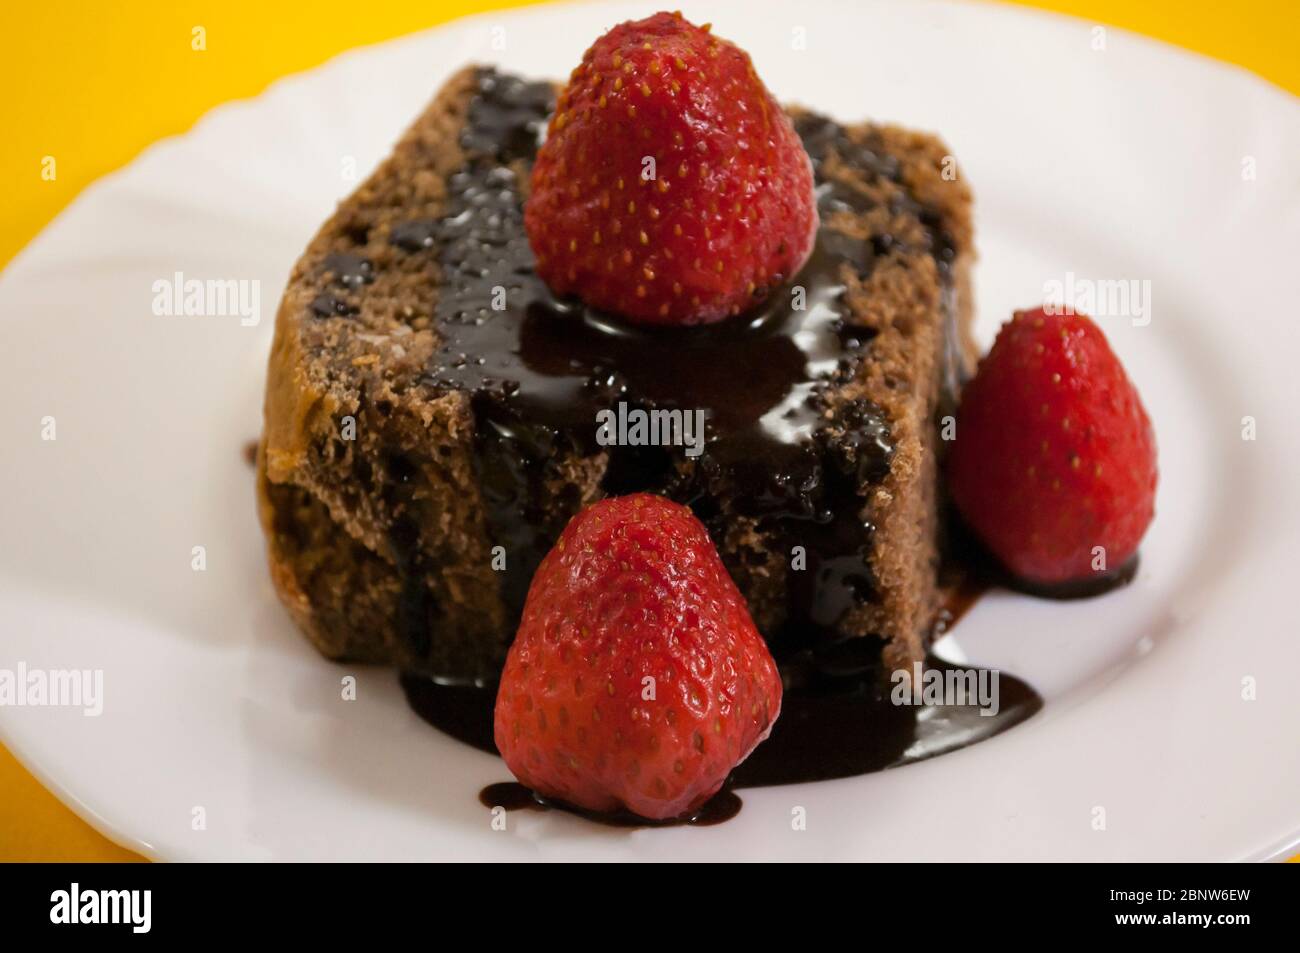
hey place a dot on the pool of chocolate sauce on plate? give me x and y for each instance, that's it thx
(513, 796)
(832, 725)
(538, 376)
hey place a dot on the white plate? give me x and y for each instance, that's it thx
(1122, 163)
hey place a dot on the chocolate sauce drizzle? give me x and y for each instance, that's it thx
(350, 270)
(842, 726)
(538, 370)
(513, 796)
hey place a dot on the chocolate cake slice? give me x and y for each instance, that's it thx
(433, 411)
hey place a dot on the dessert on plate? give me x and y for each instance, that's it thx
(476, 427)
(650, 280)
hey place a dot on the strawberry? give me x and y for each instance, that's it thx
(1054, 454)
(637, 680)
(672, 188)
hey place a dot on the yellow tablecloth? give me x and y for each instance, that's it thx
(93, 84)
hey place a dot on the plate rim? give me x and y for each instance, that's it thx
(31, 760)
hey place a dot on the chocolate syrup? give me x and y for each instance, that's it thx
(969, 570)
(326, 305)
(831, 727)
(513, 796)
(1094, 585)
(539, 369)
(350, 270)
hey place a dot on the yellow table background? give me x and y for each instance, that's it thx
(92, 84)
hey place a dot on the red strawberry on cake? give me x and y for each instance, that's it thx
(672, 188)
